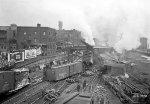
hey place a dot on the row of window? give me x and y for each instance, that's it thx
(44, 33)
(43, 39)
(2, 47)
(51, 46)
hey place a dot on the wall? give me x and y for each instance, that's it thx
(37, 35)
(8, 36)
(71, 36)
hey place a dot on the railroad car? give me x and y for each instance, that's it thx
(13, 80)
(6, 81)
(56, 73)
(21, 78)
(114, 69)
(35, 74)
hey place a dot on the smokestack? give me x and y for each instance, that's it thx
(60, 24)
(38, 25)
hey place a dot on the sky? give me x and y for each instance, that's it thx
(119, 22)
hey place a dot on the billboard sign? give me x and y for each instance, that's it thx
(30, 53)
(16, 56)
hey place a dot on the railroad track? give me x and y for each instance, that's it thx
(56, 86)
(133, 83)
(22, 96)
(59, 86)
(138, 80)
(32, 61)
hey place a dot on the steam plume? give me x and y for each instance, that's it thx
(119, 22)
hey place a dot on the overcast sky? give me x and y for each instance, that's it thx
(102, 19)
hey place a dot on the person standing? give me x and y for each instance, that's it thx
(148, 97)
(84, 84)
(78, 87)
(92, 100)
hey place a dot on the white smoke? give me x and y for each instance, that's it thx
(118, 22)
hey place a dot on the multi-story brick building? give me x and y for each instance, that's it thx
(68, 37)
(27, 35)
(8, 38)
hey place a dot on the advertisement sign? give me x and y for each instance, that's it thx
(38, 51)
(16, 56)
(30, 53)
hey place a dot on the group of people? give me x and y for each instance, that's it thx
(83, 86)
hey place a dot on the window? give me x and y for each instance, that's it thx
(35, 33)
(49, 39)
(25, 33)
(44, 33)
(4, 47)
(14, 33)
(34, 39)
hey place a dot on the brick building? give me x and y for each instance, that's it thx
(20, 37)
(8, 38)
(28, 35)
(68, 37)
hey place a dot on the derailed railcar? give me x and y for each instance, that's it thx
(56, 73)
(21, 78)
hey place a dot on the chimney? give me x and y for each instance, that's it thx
(38, 25)
(60, 24)
(13, 27)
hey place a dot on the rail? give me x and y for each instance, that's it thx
(21, 96)
(52, 86)
(30, 61)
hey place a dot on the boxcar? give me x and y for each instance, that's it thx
(114, 69)
(57, 73)
(78, 67)
(6, 81)
(21, 78)
(71, 69)
(63, 71)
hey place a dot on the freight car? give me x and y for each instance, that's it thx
(13, 80)
(114, 69)
(56, 73)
